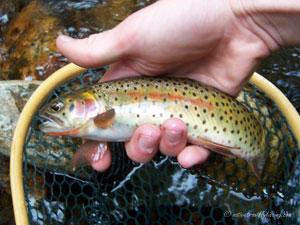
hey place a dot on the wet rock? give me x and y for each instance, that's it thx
(29, 45)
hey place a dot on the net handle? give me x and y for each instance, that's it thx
(282, 102)
(69, 72)
(40, 95)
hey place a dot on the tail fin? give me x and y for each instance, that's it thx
(257, 164)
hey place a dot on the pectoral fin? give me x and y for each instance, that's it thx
(105, 119)
(219, 148)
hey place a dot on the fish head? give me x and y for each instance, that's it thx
(69, 114)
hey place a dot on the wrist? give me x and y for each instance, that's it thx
(276, 22)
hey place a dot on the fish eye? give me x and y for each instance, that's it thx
(56, 107)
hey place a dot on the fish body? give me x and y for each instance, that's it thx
(111, 111)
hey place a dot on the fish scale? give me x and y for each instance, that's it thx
(214, 119)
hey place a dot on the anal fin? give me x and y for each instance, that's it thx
(218, 148)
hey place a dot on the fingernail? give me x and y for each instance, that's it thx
(173, 137)
(65, 38)
(147, 143)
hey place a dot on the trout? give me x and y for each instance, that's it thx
(111, 111)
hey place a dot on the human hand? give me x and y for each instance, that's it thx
(201, 40)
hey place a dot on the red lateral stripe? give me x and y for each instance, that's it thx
(172, 97)
(64, 133)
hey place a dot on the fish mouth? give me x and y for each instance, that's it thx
(52, 119)
(52, 124)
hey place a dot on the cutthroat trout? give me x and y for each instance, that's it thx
(111, 111)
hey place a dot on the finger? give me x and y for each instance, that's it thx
(95, 51)
(192, 155)
(144, 143)
(103, 163)
(92, 152)
(173, 139)
(118, 70)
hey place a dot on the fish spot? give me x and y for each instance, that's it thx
(194, 94)
(221, 117)
(215, 128)
(183, 93)
(72, 107)
(238, 131)
(153, 115)
(204, 110)
(217, 103)
(186, 106)
(180, 115)
(232, 131)
(240, 139)
(205, 130)
(137, 115)
(198, 115)
(145, 98)
(204, 121)
(171, 115)
(175, 89)
(63, 113)
(195, 127)
(212, 115)
(185, 88)
(196, 108)
(206, 97)
(224, 129)
(236, 122)
(116, 99)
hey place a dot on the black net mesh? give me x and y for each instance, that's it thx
(220, 191)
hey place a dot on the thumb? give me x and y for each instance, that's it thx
(95, 51)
